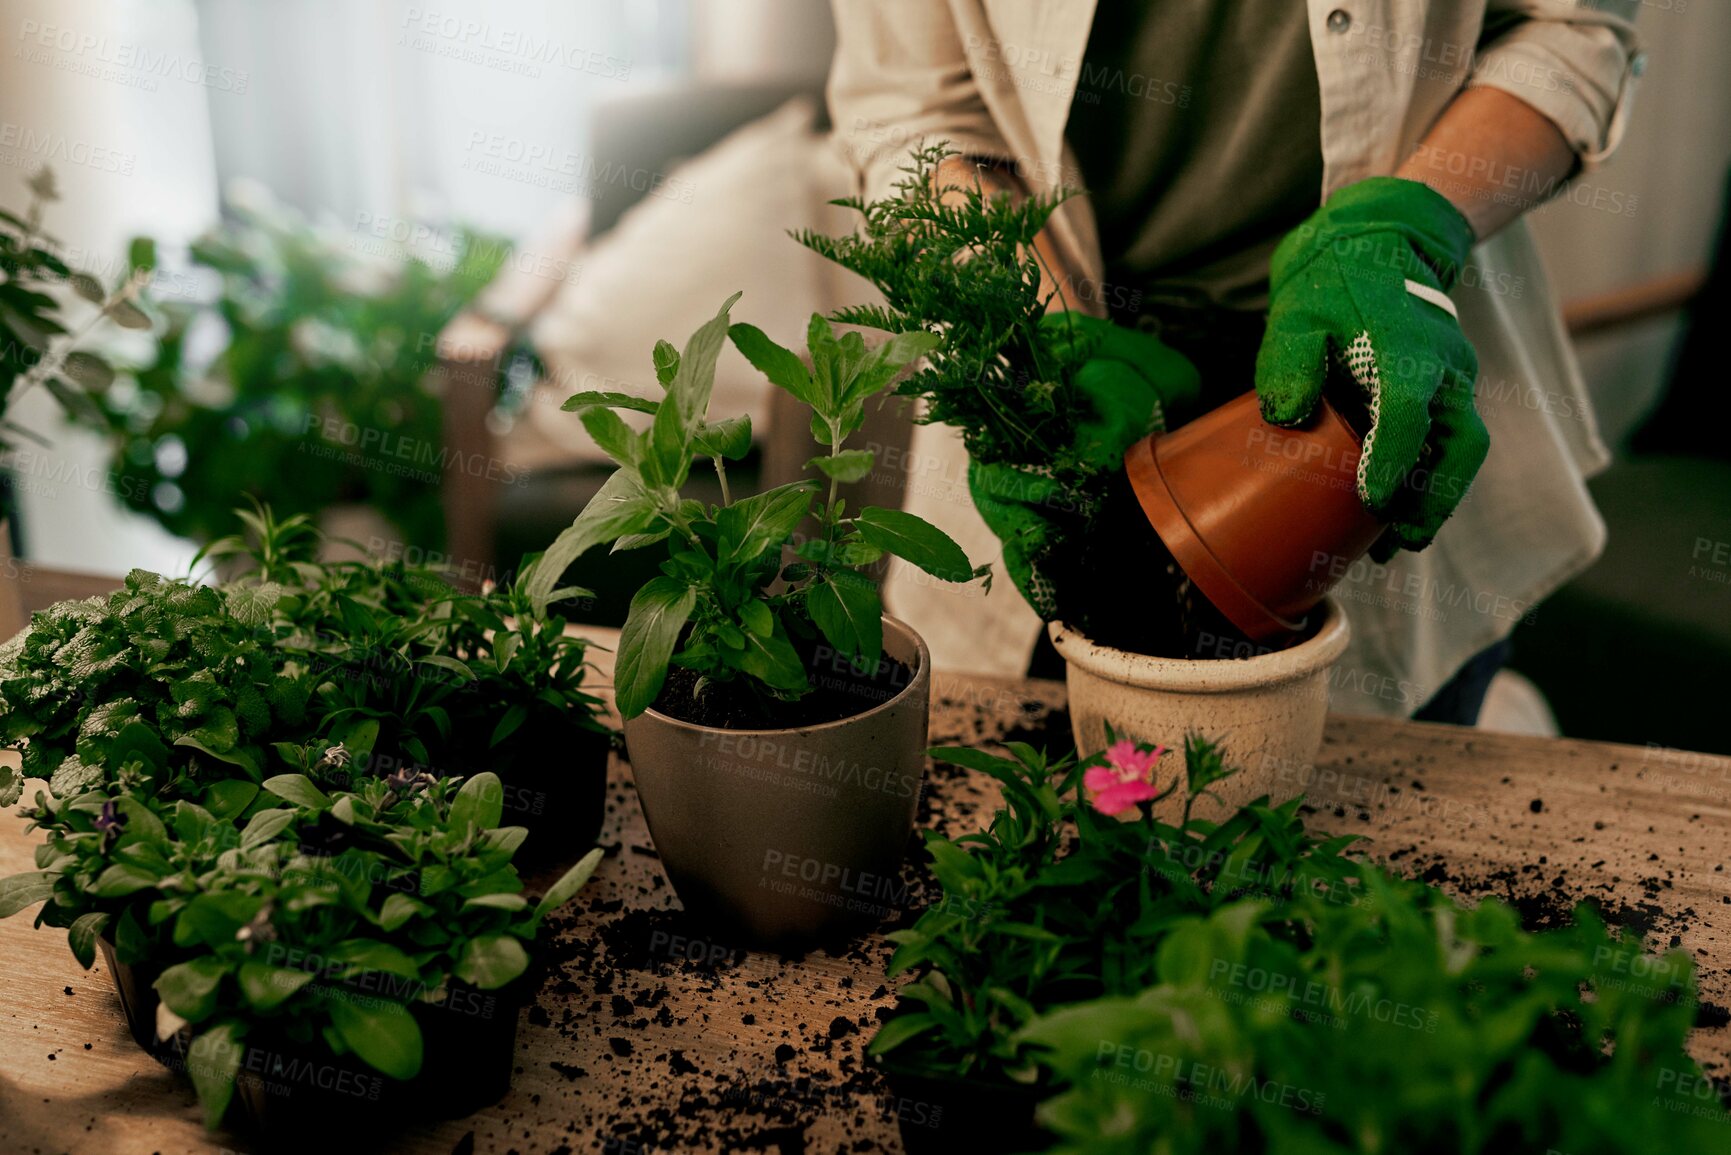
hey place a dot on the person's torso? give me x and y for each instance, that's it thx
(1197, 128)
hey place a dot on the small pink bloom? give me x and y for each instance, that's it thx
(1125, 780)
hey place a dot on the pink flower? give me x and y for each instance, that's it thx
(1127, 778)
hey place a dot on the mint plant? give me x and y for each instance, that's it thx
(724, 605)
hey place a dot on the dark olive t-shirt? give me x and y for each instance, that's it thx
(1197, 128)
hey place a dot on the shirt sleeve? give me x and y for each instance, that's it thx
(1575, 61)
(901, 78)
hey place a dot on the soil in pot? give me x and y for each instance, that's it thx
(1127, 591)
(839, 690)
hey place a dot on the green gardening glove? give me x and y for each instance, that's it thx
(1363, 285)
(1129, 381)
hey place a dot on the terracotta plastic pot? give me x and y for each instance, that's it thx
(1267, 709)
(783, 839)
(1262, 519)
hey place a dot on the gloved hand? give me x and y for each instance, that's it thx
(1364, 283)
(1130, 380)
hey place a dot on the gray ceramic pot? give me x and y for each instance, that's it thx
(782, 839)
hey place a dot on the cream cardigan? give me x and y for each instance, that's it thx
(996, 79)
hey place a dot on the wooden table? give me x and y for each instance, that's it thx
(647, 1039)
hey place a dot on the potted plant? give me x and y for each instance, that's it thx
(382, 933)
(1399, 1023)
(1060, 901)
(318, 395)
(38, 346)
(774, 717)
(1048, 403)
(412, 673)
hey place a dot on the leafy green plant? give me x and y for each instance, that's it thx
(1046, 400)
(1055, 902)
(1206, 987)
(318, 394)
(161, 688)
(366, 907)
(960, 264)
(1401, 1025)
(718, 608)
(36, 346)
(407, 668)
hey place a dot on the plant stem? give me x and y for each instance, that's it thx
(721, 475)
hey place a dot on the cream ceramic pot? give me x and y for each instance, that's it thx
(1267, 710)
(787, 838)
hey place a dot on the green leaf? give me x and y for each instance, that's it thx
(189, 988)
(848, 465)
(383, 1033)
(233, 756)
(399, 908)
(450, 665)
(253, 605)
(756, 616)
(914, 540)
(694, 379)
(508, 723)
(88, 370)
(492, 960)
(612, 435)
(899, 1030)
(229, 797)
(729, 438)
(127, 315)
(22, 890)
(87, 287)
(658, 613)
(566, 888)
(119, 880)
(212, 1062)
(593, 399)
(774, 662)
(498, 902)
(479, 803)
(267, 987)
(782, 366)
(264, 826)
(74, 400)
(619, 507)
(73, 776)
(82, 934)
(369, 954)
(504, 648)
(846, 607)
(299, 789)
(754, 524)
(666, 359)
